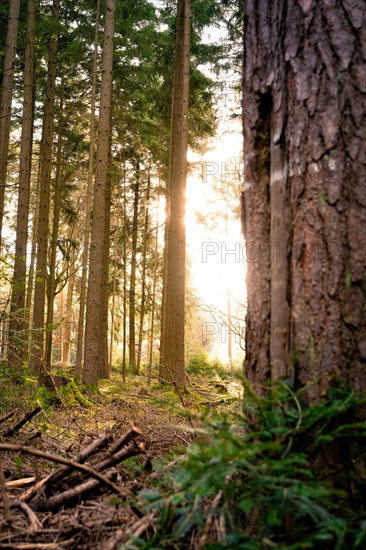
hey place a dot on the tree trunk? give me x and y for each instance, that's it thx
(143, 275)
(89, 201)
(44, 203)
(124, 322)
(132, 304)
(153, 296)
(52, 283)
(304, 120)
(17, 340)
(6, 97)
(66, 334)
(172, 336)
(95, 321)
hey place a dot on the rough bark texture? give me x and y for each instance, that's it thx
(6, 97)
(89, 200)
(173, 318)
(17, 339)
(132, 293)
(96, 326)
(36, 360)
(304, 80)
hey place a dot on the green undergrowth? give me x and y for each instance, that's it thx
(69, 395)
(279, 475)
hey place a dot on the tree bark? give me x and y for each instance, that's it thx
(89, 201)
(132, 294)
(36, 360)
(304, 121)
(17, 339)
(52, 282)
(95, 352)
(143, 275)
(173, 318)
(6, 98)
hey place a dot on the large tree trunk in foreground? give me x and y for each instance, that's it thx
(96, 326)
(173, 317)
(304, 196)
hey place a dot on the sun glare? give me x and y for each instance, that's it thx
(215, 244)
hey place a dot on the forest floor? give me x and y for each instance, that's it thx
(152, 424)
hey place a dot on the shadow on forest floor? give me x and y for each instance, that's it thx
(98, 519)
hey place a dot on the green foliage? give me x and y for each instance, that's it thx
(68, 394)
(200, 364)
(286, 476)
(12, 384)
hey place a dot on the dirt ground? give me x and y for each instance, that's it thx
(98, 519)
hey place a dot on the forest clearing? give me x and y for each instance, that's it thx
(183, 274)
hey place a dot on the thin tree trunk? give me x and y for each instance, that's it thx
(36, 360)
(89, 201)
(153, 297)
(66, 340)
(143, 276)
(18, 341)
(124, 328)
(52, 283)
(6, 98)
(95, 347)
(32, 263)
(172, 337)
(115, 272)
(132, 304)
(104, 373)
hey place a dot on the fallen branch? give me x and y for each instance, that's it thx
(53, 502)
(123, 440)
(60, 499)
(34, 523)
(80, 458)
(18, 425)
(8, 415)
(123, 454)
(61, 460)
(16, 483)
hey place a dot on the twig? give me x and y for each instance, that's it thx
(69, 494)
(34, 522)
(16, 483)
(8, 415)
(26, 418)
(64, 470)
(61, 460)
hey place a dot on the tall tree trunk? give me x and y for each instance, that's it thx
(304, 119)
(172, 336)
(52, 282)
(6, 97)
(32, 264)
(18, 342)
(153, 297)
(36, 361)
(143, 276)
(124, 322)
(105, 371)
(132, 294)
(67, 324)
(95, 321)
(89, 201)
